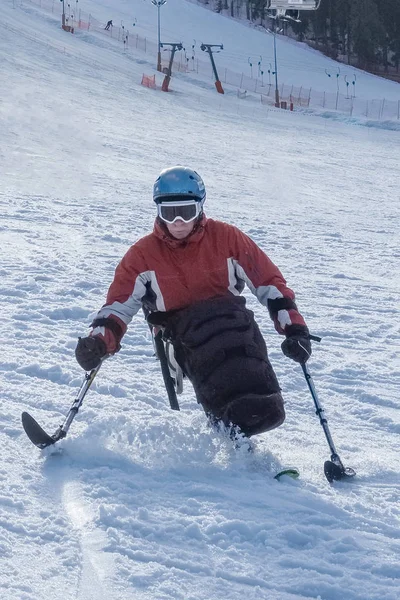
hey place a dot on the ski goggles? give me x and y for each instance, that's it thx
(186, 211)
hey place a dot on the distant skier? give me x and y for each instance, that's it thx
(187, 275)
(109, 24)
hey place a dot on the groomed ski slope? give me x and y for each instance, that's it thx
(143, 502)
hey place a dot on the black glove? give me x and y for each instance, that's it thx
(90, 351)
(297, 345)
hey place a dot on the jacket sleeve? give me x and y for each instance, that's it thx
(124, 299)
(265, 280)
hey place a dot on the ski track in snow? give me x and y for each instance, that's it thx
(145, 503)
(96, 565)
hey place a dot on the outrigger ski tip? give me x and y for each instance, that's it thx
(38, 436)
(337, 472)
(35, 433)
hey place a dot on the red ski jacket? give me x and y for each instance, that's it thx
(163, 273)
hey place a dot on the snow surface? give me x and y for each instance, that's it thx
(144, 502)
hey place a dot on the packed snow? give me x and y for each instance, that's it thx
(141, 502)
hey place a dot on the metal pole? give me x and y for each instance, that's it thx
(276, 69)
(159, 39)
(333, 469)
(321, 415)
(89, 377)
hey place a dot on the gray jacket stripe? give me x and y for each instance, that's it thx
(233, 281)
(128, 309)
(156, 289)
(262, 293)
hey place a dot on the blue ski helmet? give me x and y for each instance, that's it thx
(179, 183)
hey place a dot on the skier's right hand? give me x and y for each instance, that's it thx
(89, 352)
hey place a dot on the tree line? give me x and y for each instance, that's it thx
(364, 33)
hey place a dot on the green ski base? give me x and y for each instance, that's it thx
(289, 472)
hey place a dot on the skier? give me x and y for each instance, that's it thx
(188, 275)
(109, 24)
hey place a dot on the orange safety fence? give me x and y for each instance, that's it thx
(149, 81)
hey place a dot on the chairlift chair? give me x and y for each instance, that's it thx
(280, 8)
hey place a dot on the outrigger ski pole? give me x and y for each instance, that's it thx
(38, 436)
(334, 469)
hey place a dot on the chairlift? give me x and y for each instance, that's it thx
(281, 8)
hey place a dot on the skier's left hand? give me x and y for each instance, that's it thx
(297, 345)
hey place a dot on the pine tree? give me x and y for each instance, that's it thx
(367, 31)
(389, 11)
